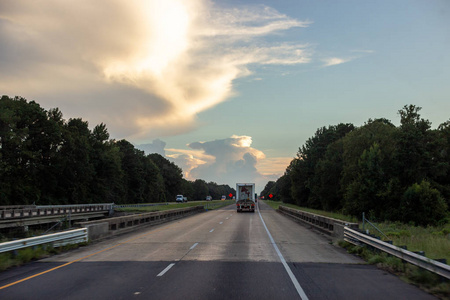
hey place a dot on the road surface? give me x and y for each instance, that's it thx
(219, 254)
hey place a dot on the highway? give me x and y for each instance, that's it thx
(219, 254)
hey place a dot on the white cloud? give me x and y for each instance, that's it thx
(145, 68)
(332, 61)
(227, 161)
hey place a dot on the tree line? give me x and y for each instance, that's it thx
(45, 160)
(389, 172)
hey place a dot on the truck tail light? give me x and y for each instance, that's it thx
(253, 205)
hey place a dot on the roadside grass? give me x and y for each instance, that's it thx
(173, 205)
(433, 240)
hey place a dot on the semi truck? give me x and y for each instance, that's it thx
(245, 197)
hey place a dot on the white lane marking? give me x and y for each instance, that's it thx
(193, 246)
(165, 270)
(221, 223)
(211, 230)
(299, 289)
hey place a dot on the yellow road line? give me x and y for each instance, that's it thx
(79, 259)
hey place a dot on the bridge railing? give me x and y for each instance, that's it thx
(50, 210)
(358, 238)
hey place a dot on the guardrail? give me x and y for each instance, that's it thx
(56, 239)
(330, 226)
(355, 237)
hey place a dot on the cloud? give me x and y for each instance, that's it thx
(332, 61)
(157, 146)
(144, 68)
(225, 161)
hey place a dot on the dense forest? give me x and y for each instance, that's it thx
(390, 173)
(45, 159)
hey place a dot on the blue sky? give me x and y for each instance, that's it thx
(229, 90)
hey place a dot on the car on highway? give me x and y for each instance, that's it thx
(223, 198)
(208, 198)
(180, 198)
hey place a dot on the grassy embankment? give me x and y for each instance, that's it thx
(434, 241)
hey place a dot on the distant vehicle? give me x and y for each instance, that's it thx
(223, 198)
(180, 198)
(208, 198)
(245, 197)
(184, 199)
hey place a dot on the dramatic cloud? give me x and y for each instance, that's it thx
(145, 68)
(226, 161)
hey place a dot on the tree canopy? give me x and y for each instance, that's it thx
(390, 173)
(45, 159)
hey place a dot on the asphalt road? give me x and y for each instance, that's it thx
(218, 254)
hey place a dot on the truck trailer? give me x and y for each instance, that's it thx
(245, 197)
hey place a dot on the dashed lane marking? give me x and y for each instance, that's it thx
(165, 270)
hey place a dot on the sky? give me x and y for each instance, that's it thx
(228, 90)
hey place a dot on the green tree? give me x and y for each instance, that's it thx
(423, 205)
(363, 194)
(108, 182)
(267, 189)
(303, 173)
(77, 169)
(412, 156)
(172, 176)
(200, 189)
(328, 173)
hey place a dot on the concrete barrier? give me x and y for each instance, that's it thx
(330, 226)
(116, 225)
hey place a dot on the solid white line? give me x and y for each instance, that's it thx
(211, 230)
(299, 289)
(165, 270)
(193, 246)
